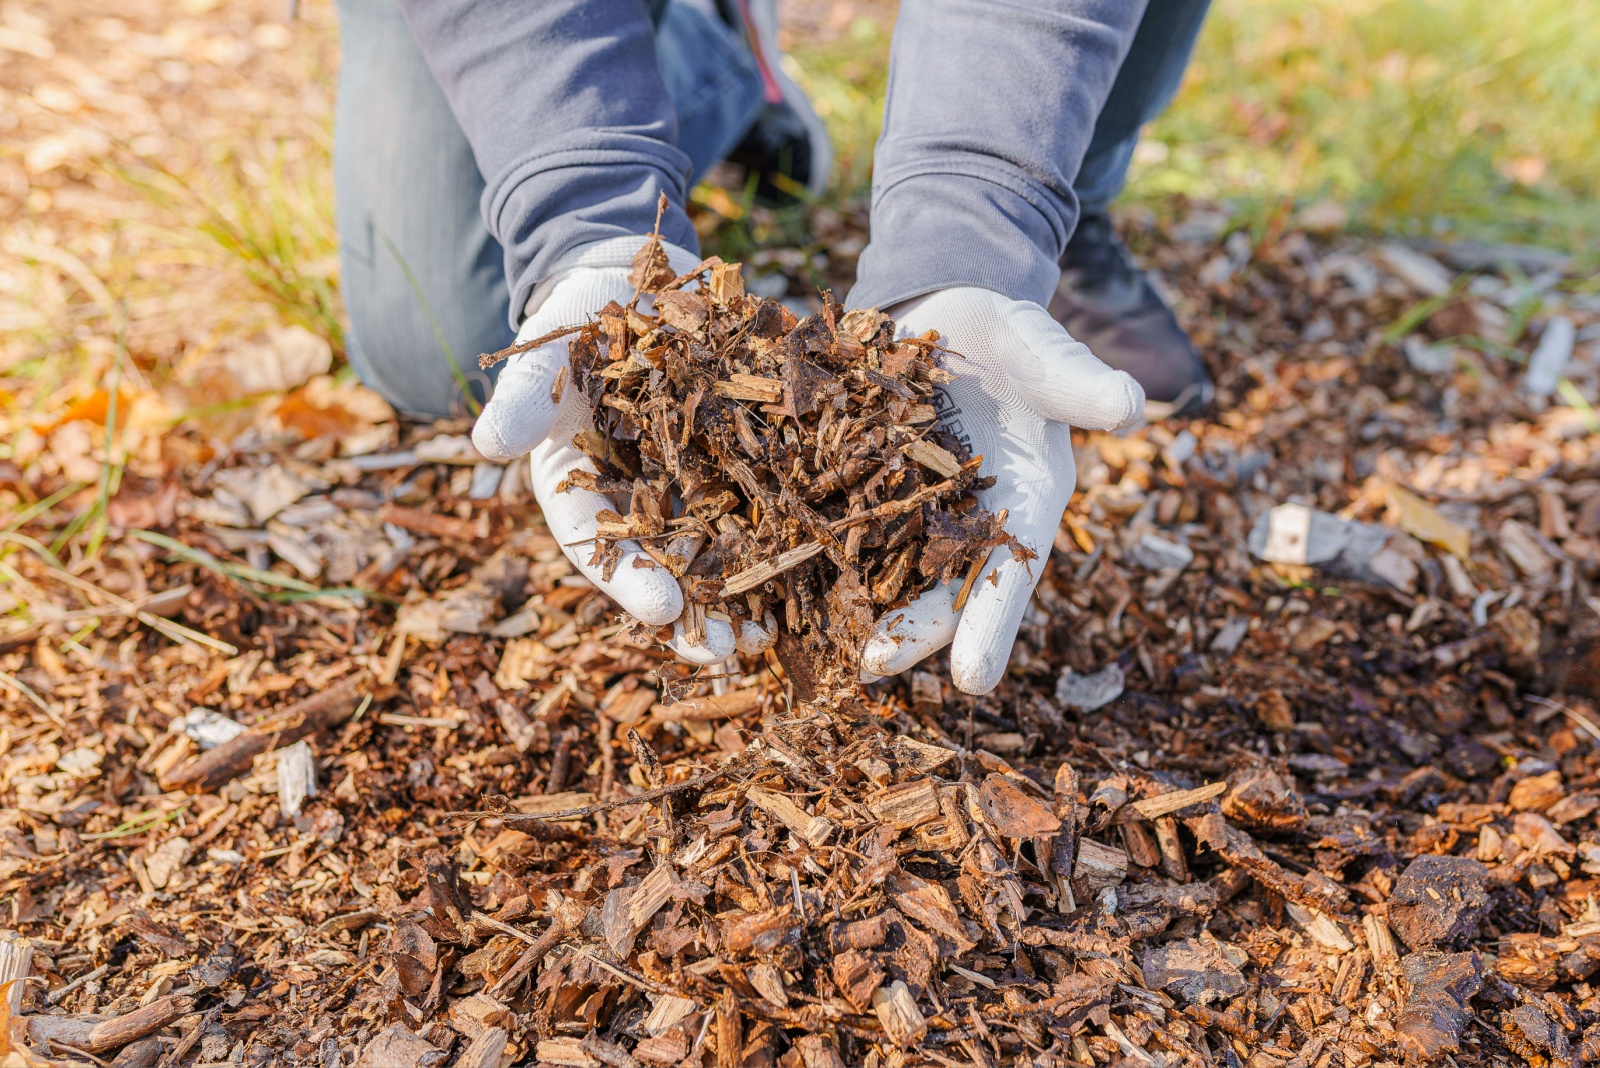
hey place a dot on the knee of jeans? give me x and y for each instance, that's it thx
(420, 367)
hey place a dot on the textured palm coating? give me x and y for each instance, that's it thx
(523, 418)
(1021, 383)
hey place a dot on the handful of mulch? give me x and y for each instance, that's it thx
(787, 471)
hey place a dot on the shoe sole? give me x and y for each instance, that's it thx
(1193, 400)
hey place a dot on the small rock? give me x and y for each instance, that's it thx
(1439, 901)
(271, 491)
(1232, 633)
(166, 860)
(215, 970)
(1536, 793)
(1429, 359)
(1159, 554)
(1199, 970)
(485, 480)
(1550, 357)
(1421, 273)
(1085, 693)
(1295, 534)
(209, 728)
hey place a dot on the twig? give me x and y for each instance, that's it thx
(172, 631)
(489, 359)
(484, 920)
(511, 819)
(23, 689)
(1582, 721)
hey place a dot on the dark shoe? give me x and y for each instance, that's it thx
(1108, 304)
(787, 148)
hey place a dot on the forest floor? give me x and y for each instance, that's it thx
(1296, 761)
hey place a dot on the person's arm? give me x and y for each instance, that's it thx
(567, 114)
(991, 107)
(989, 112)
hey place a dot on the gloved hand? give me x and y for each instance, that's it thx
(523, 418)
(1021, 383)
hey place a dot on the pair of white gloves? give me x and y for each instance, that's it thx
(1020, 384)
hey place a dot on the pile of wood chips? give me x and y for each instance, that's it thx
(1220, 812)
(771, 462)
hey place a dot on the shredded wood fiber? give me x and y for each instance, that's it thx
(787, 471)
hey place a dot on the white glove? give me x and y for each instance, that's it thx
(1021, 383)
(522, 418)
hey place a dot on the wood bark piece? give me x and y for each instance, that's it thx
(487, 1050)
(731, 705)
(897, 1011)
(565, 1051)
(97, 1034)
(1167, 804)
(729, 1031)
(145, 1053)
(1099, 865)
(1013, 812)
(1439, 901)
(396, 1047)
(1439, 1003)
(216, 767)
(813, 830)
(449, 528)
(297, 778)
(906, 805)
(16, 964)
(764, 572)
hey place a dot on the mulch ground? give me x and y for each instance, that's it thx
(1226, 808)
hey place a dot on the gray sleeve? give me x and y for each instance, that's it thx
(990, 109)
(568, 117)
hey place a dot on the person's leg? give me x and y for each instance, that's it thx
(712, 78)
(1145, 85)
(424, 283)
(1104, 300)
(423, 280)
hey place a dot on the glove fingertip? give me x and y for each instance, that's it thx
(716, 646)
(976, 672)
(489, 439)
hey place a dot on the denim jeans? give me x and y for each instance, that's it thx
(423, 280)
(1145, 84)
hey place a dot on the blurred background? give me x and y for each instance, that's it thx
(165, 183)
